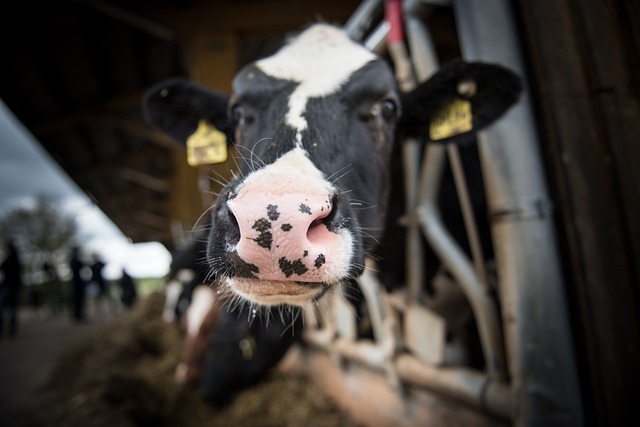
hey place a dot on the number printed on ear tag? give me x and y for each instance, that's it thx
(453, 119)
(207, 145)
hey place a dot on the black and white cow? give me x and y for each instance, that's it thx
(223, 352)
(315, 124)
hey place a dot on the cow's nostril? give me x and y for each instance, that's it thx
(315, 230)
(320, 224)
(317, 222)
(233, 229)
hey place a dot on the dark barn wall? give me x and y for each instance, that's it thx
(584, 62)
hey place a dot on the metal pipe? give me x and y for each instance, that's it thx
(467, 214)
(466, 385)
(362, 18)
(426, 64)
(411, 162)
(484, 309)
(414, 262)
(371, 289)
(537, 332)
(458, 264)
(365, 352)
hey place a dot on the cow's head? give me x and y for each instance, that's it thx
(314, 125)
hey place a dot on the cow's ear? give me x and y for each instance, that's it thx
(458, 101)
(178, 106)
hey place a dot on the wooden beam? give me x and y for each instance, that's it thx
(223, 17)
(185, 205)
(124, 101)
(114, 198)
(142, 201)
(151, 220)
(132, 19)
(137, 129)
(115, 165)
(145, 180)
(584, 77)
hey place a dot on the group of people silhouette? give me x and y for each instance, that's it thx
(86, 277)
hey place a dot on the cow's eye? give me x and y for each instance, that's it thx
(237, 114)
(241, 116)
(389, 109)
(386, 108)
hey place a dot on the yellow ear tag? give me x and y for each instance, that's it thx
(453, 119)
(207, 145)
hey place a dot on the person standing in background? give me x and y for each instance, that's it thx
(78, 285)
(129, 293)
(10, 288)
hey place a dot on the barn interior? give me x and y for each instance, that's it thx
(74, 73)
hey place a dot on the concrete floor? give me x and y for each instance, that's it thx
(27, 360)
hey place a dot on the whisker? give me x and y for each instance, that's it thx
(331, 178)
(206, 211)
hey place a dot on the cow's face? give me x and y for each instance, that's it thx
(314, 126)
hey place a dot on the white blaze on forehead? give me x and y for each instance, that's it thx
(321, 60)
(292, 172)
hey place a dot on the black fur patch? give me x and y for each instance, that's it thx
(241, 267)
(265, 238)
(320, 260)
(290, 267)
(305, 209)
(272, 212)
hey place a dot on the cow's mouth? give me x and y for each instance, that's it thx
(273, 292)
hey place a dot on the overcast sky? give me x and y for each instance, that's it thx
(27, 170)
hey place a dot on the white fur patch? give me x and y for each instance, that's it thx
(172, 294)
(321, 60)
(292, 172)
(201, 303)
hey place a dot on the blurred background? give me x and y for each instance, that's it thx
(74, 147)
(79, 168)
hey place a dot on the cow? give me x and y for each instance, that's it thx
(315, 125)
(227, 347)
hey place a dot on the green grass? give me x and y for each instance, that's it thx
(149, 285)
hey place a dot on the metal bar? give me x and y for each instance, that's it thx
(371, 287)
(456, 261)
(377, 40)
(411, 161)
(362, 18)
(539, 343)
(467, 213)
(381, 320)
(484, 309)
(466, 385)
(425, 63)
(423, 52)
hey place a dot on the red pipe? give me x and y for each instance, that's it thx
(393, 15)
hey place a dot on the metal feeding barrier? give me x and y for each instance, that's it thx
(529, 376)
